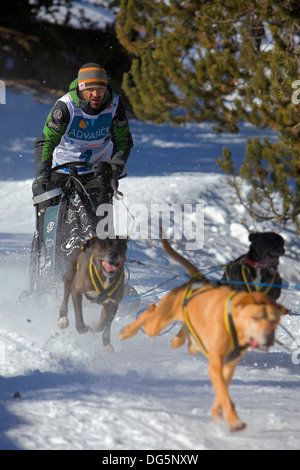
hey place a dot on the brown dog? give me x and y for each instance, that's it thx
(97, 271)
(217, 321)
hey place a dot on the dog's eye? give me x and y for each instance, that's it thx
(258, 318)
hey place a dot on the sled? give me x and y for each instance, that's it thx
(64, 218)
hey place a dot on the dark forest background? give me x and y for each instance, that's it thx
(45, 56)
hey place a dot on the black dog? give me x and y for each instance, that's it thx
(97, 271)
(258, 266)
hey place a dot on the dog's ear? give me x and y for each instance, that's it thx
(253, 236)
(90, 242)
(282, 309)
(84, 244)
(123, 240)
(245, 298)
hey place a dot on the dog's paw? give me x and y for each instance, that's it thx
(237, 426)
(179, 340)
(63, 323)
(97, 327)
(82, 329)
(193, 349)
(108, 349)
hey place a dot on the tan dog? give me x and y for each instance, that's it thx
(97, 271)
(216, 321)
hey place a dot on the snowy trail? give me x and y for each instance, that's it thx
(145, 396)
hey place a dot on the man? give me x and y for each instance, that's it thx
(87, 124)
(80, 128)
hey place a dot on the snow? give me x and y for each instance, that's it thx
(145, 396)
(80, 15)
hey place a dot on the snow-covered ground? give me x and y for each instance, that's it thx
(145, 396)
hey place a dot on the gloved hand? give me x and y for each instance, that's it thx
(118, 162)
(40, 184)
(118, 159)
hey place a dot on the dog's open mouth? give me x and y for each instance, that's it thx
(254, 344)
(268, 261)
(111, 267)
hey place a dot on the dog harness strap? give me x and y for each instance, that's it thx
(236, 349)
(229, 321)
(186, 298)
(226, 272)
(102, 291)
(251, 287)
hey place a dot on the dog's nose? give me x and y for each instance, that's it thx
(115, 257)
(269, 336)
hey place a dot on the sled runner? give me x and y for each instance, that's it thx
(65, 216)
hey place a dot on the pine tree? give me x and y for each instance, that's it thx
(271, 171)
(223, 61)
(203, 59)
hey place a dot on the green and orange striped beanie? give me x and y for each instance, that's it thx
(91, 75)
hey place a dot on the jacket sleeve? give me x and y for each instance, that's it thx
(55, 126)
(120, 133)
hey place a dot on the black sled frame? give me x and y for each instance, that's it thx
(64, 218)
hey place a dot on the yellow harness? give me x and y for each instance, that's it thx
(236, 350)
(190, 292)
(253, 286)
(103, 292)
(250, 282)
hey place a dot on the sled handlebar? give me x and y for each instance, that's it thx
(72, 166)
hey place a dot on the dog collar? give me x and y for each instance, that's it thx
(266, 262)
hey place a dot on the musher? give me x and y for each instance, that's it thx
(81, 127)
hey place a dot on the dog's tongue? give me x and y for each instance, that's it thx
(109, 267)
(254, 344)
